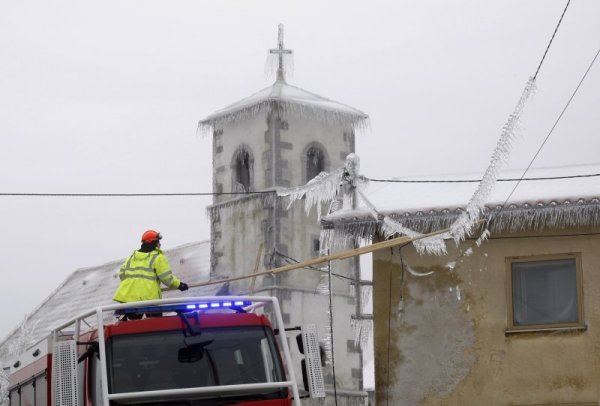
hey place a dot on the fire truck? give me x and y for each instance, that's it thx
(194, 351)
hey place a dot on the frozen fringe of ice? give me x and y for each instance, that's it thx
(320, 190)
(3, 388)
(244, 202)
(325, 188)
(372, 209)
(366, 295)
(451, 265)
(484, 236)
(431, 245)
(468, 252)
(282, 108)
(466, 221)
(323, 285)
(415, 273)
(323, 289)
(23, 339)
(363, 329)
(272, 64)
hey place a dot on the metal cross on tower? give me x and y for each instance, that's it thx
(280, 50)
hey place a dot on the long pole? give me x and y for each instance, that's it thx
(326, 258)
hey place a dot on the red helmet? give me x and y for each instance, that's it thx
(150, 236)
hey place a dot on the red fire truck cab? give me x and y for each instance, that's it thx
(187, 351)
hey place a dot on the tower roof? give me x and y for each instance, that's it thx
(288, 98)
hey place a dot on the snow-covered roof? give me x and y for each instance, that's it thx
(560, 197)
(290, 99)
(91, 287)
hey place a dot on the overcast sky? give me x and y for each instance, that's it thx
(104, 97)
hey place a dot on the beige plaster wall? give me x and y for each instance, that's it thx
(447, 344)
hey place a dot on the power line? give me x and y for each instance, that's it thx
(479, 180)
(26, 194)
(133, 194)
(553, 127)
(503, 206)
(551, 39)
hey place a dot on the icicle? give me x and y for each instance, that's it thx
(323, 289)
(431, 245)
(272, 64)
(451, 265)
(468, 252)
(23, 338)
(318, 191)
(247, 202)
(323, 285)
(415, 273)
(467, 220)
(484, 236)
(3, 387)
(362, 331)
(356, 121)
(458, 293)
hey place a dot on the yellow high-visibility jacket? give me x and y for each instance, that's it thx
(141, 275)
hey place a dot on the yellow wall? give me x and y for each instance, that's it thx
(446, 344)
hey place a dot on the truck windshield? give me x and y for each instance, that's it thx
(219, 356)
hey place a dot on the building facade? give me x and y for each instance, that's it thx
(512, 321)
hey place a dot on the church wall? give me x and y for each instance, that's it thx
(448, 342)
(241, 227)
(226, 141)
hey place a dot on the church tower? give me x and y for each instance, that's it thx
(281, 137)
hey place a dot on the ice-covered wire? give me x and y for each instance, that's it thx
(431, 245)
(467, 220)
(591, 175)
(486, 232)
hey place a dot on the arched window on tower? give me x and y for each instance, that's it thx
(315, 162)
(241, 171)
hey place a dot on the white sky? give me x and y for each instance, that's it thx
(100, 97)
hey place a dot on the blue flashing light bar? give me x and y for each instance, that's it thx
(186, 307)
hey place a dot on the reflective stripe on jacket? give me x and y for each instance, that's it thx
(141, 275)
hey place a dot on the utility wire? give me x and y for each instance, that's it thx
(551, 39)
(134, 194)
(503, 206)
(479, 180)
(553, 127)
(273, 191)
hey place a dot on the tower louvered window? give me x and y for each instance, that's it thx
(242, 171)
(315, 162)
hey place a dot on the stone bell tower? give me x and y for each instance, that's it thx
(281, 136)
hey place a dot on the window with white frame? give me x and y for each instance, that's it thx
(544, 292)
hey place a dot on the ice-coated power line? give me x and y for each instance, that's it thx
(479, 180)
(175, 194)
(553, 127)
(133, 194)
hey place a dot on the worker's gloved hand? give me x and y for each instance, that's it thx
(183, 287)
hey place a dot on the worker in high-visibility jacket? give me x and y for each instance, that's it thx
(143, 272)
